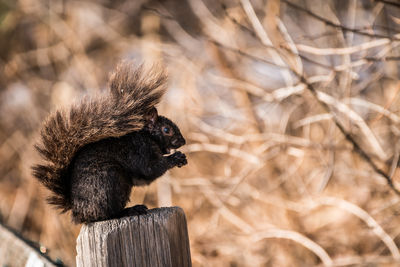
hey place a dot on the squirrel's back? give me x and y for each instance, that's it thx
(133, 93)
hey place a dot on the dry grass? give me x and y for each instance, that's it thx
(272, 96)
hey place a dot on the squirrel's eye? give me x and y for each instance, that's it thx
(166, 130)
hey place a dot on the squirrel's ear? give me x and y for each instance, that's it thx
(152, 115)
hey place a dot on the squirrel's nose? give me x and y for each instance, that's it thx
(178, 142)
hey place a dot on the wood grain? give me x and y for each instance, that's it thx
(159, 238)
(16, 251)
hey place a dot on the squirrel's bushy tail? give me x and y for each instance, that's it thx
(133, 93)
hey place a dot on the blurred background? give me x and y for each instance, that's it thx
(290, 110)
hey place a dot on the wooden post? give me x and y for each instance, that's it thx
(159, 238)
(16, 251)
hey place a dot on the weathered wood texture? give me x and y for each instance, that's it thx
(15, 251)
(159, 238)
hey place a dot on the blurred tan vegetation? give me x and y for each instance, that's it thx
(290, 109)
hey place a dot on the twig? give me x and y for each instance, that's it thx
(363, 215)
(344, 50)
(354, 117)
(223, 149)
(226, 212)
(364, 260)
(383, 111)
(264, 38)
(237, 23)
(349, 137)
(389, 3)
(383, 59)
(158, 13)
(299, 238)
(311, 88)
(241, 52)
(332, 24)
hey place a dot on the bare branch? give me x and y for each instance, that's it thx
(332, 24)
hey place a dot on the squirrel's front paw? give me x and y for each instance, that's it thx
(179, 159)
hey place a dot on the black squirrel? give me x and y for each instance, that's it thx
(104, 145)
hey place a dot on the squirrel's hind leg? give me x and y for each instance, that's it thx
(99, 193)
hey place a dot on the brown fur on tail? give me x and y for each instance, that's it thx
(133, 93)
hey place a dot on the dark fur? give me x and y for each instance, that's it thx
(99, 124)
(104, 172)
